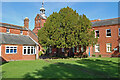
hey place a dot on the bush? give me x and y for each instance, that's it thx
(40, 53)
(100, 55)
(93, 55)
(85, 56)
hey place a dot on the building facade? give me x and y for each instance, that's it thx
(107, 31)
(18, 42)
(108, 44)
(40, 19)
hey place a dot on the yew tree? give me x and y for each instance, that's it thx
(66, 29)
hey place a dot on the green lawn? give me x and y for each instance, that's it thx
(62, 68)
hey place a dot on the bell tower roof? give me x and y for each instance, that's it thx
(42, 9)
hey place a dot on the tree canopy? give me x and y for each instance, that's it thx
(66, 29)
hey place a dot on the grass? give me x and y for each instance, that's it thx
(62, 68)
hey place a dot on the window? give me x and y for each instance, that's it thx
(77, 49)
(97, 34)
(108, 33)
(28, 50)
(21, 32)
(82, 49)
(62, 49)
(97, 48)
(119, 31)
(50, 50)
(11, 49)
(8, 30)
(73, 49)
(108, 47)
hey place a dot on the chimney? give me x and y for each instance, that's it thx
(26, 22)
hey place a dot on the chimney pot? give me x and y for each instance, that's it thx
(26, 22)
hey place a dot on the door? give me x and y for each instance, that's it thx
(89, 51)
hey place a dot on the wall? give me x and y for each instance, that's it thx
(18, 56)
(102, 40)
(12, 31)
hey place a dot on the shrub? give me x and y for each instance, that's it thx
(100, 55)
(40, 53)
(93, 55)
(85, 56)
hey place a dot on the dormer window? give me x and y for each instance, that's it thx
(21, 32)
(8, 30)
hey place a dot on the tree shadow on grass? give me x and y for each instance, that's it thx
(84, 68)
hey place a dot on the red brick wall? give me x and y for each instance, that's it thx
(102, 40)
(3, 29)
(12, 31)
(18, 56)
(42, 22)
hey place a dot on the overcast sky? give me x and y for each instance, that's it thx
(15, 12)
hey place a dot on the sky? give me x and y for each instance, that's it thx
(15, 12)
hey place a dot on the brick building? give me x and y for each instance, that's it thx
(18, 42)
(40, 19)
(107, 31)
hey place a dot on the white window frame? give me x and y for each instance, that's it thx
(82, 49)
(108, 45)
(96, 35)
(8, 30)
(10, 49)
(118, 31)
(96, 48)
(63, 50)
(50, 50)
(21, 33)
(26, 47)
(77, 49)
(106, 33)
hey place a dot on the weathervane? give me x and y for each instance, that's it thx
(43, 3)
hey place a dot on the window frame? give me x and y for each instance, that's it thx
(106, 32)
(21, 33)
(50, 50)
(26, 48)
(7, 29)
(82, 49)
(96, 46)
(118, 31)
(107, 48)
(10, 49)
(96, 35)
(63, 50)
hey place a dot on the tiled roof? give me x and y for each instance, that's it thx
(12, 26)
(106, 22)
(15, 39)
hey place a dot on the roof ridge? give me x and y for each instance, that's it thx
(97, 20)
(11, 24)
(110, 19)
